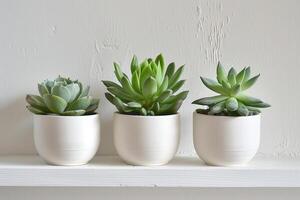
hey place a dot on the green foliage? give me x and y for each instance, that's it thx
(150, 90)
(62, 96)
(231, 100)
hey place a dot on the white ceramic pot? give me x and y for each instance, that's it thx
(146, 140)
(224, 140)
(66, 140)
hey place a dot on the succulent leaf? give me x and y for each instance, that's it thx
(134, 64)
(213, 85)
(55, 104)
(221, 74)
(80, 104)
(74, 113)
(210, 100)
(232, 104)
(219, 107)
(170, 70)
(175, 77)
(35, 110)
(149, 87)
(43, 89)
(232, 76)
(62, 92)
(250, 82)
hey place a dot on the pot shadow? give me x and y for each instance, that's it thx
(16, 128)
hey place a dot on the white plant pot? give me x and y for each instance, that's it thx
(66, 140)
(146, 140)
(224, 140)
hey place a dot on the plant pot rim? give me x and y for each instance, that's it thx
(64, 116)
(228, 117)
(147, 116)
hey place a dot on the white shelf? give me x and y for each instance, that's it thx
(109, 171)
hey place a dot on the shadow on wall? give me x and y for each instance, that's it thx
(106, 144)
(16, 128)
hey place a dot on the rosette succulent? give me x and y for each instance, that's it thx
(232, 100)
(62, 96)
(150, 90)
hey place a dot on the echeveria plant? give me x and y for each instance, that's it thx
(62, 96)
(232, 100)
(149, 91)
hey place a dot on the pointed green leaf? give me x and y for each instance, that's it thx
(62, 92)
(35, 100)
(134, 105)
(120, 93)
(232, 76)
(164, 85)
(213, 85)
(235, 89)
(175, 98)
(55, 104)
(111, 84)
(35, 110)
(74, 90)
(176, 76)
(210, 100)
(149, 87)
(159, 60)
(177, 86)
(164, 95)
(146, 73)
(240, 76)
(92, 108)
(85, 91)
(243, 110)
(247, 74)
(219, 107)
(43, 89)
(80, 104)
(134, 64)
(135, 82)
(128, 88)
(170, 108)
(170, 69)
(250, 82)
(118, 72)
(221, 74)
(74, 113)
(232, 104)
(248, 100)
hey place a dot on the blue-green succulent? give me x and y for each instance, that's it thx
(62, 96)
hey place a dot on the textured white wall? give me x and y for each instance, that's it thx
(40, 39)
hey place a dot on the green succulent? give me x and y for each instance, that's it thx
(150, 90)
(232, 100)
(62, 96)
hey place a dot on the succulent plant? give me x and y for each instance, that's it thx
(232, 100)
(151, 89)
(62, 96)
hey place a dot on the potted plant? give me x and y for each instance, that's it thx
(65, 125)
(147, 125)
(227, 129)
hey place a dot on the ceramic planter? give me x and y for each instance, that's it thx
(146, 140)
(226, 141)
(66, 140)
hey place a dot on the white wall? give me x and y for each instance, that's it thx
(40, 39)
